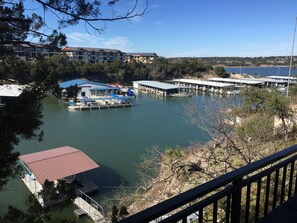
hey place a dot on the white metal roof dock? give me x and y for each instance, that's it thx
(208, 86)
(11, 90)
(156, 84)
(285, 78)
(155, 87)
(244, 81)
(203, 83)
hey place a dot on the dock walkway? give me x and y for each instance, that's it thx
(90, 209)
(99, 106)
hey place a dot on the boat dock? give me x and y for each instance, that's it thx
(156, 87)
(209, 86)
(257, 82)
(89, 207)
(239, 82)
(96, 106)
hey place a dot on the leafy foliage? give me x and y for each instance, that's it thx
(220, 71)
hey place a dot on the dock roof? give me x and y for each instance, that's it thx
(269, 80)
(283, 77)
(11, 90)
(237, 81)
(57, 163)
(78, 82)
(200, 82)
(156, 84)
(103, 88)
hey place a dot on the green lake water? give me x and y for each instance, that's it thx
(114, 138)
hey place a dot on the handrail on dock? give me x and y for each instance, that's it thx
(90, 201)
(264, 184)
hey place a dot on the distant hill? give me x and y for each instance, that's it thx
(241, 61)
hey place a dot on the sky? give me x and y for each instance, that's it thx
(194, 28)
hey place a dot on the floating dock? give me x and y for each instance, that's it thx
(98, 106)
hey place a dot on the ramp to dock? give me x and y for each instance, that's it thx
(90, 207)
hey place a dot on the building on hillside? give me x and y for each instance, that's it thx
(31, 51)
(140, 57)
(93, 55)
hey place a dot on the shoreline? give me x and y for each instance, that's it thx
(261, 66)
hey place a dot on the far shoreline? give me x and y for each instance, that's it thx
(261, 66)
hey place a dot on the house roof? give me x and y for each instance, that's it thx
(90, 49)
(11, 90)
(57, 163)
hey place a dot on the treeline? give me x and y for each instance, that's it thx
(160, 69)
(61, 68)
(242, 61)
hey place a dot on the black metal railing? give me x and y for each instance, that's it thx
(243, 195)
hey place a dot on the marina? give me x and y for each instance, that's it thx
(113, 139)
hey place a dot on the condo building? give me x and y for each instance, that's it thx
(93, 55)
(140, 57)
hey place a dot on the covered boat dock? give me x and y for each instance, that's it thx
(63, 163)
(215, 87)
(244, 82)
(284, 78)
(10, 91)
(155, 87)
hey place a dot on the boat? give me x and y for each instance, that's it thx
(181, 95)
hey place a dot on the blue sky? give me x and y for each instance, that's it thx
(197, 28)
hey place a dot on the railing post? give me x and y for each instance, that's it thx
(236, 200)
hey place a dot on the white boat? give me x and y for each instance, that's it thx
(181, 95)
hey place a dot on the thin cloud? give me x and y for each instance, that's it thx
(159, 23)
(119, 42)
(86, 40)
(155, 6)
(196, 53)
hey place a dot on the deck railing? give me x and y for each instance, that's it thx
(90, 201)
(243, 195)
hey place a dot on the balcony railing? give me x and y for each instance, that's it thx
(243, 195)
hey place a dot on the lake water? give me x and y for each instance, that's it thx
(262, 71)
(114, 138)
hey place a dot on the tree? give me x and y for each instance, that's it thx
(17, 25)
(270, 102)
(235, 140)
(220, 71)
(21, 117)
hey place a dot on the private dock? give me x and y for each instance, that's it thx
(63, 163)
